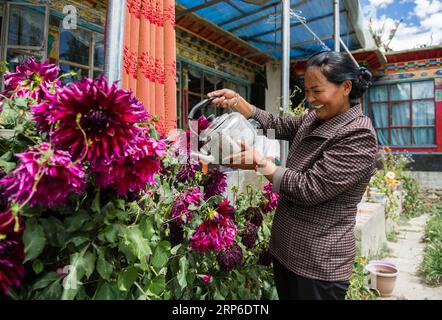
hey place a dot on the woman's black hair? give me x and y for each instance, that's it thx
(338, 67)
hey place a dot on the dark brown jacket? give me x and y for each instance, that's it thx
(328, 168)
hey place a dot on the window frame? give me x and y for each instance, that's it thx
(410, 101)
(5, 35)
(91, 67)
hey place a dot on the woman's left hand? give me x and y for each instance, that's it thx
(247, 159)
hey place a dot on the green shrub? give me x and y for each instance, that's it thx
(358, 289)
(432, 263)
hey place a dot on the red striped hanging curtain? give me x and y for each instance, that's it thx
(149, 57)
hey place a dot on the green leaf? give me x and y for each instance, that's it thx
(78, 240)
(184, 266)
(106, 291)
(157, 285)
(9, 114)
(44, 281)
(104, 268)
(89, 263)
(192, 207)
(127, 278)
(161, 255)
(37, 266)
(175, 249)
(34, 239)
(146, 226)
(109, 234)
(52, 292)
(96, 203)
(218, 296)
(7, 166)
(71, 282)
(138, 245)
(55, 232)
(75, 222)
(20, 102)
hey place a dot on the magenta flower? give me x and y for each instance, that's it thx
(214, 183)
(57, 175)
(187, 171)
(107, 116)
(134, 171)
(203, 123)
(270, 199)
(181, 205)
(206, 278)
(217, 232)
(30, 77)
(12, 253)
(43, 113)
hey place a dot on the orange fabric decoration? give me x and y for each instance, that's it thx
(149, 58)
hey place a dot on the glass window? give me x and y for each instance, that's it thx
(411, 122)
(99, 51)
(26, 26)
(423, 113)
(80, 72)
(74, 45)
(380, 115)
(400, 91)
(423, 90)
(400, 114)
(194, 82)
(378, 93)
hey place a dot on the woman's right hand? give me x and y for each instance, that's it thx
(230, 99)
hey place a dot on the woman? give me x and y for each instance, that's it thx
(330, 162)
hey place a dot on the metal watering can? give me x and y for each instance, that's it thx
(221, 138)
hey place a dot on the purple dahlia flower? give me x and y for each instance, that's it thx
(230, 258)
(217, 232)
(214, 183)
(180, 207)
(271, 199)
(57, 175)
(30, 77)
(12, 253)
(107, 116)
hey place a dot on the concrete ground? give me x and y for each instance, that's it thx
(408, 253)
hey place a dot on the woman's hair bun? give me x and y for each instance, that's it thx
(365, 74)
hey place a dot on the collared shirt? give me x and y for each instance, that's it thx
(328, 168)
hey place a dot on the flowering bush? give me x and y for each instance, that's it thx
(392, 177)
(96, 206)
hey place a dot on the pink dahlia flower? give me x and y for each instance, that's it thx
(57, 175)
(12, 253)
(180, 207)
(217, 232)
(271, 198)
(30, 77)
(134, 171)
(43, 113)
(107, 116)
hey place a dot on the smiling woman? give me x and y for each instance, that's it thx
(331, 160)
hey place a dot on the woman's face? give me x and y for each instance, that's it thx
(328, 99)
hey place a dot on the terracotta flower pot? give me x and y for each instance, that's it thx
(383, 278)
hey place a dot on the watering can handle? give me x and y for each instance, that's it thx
(201, 105)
